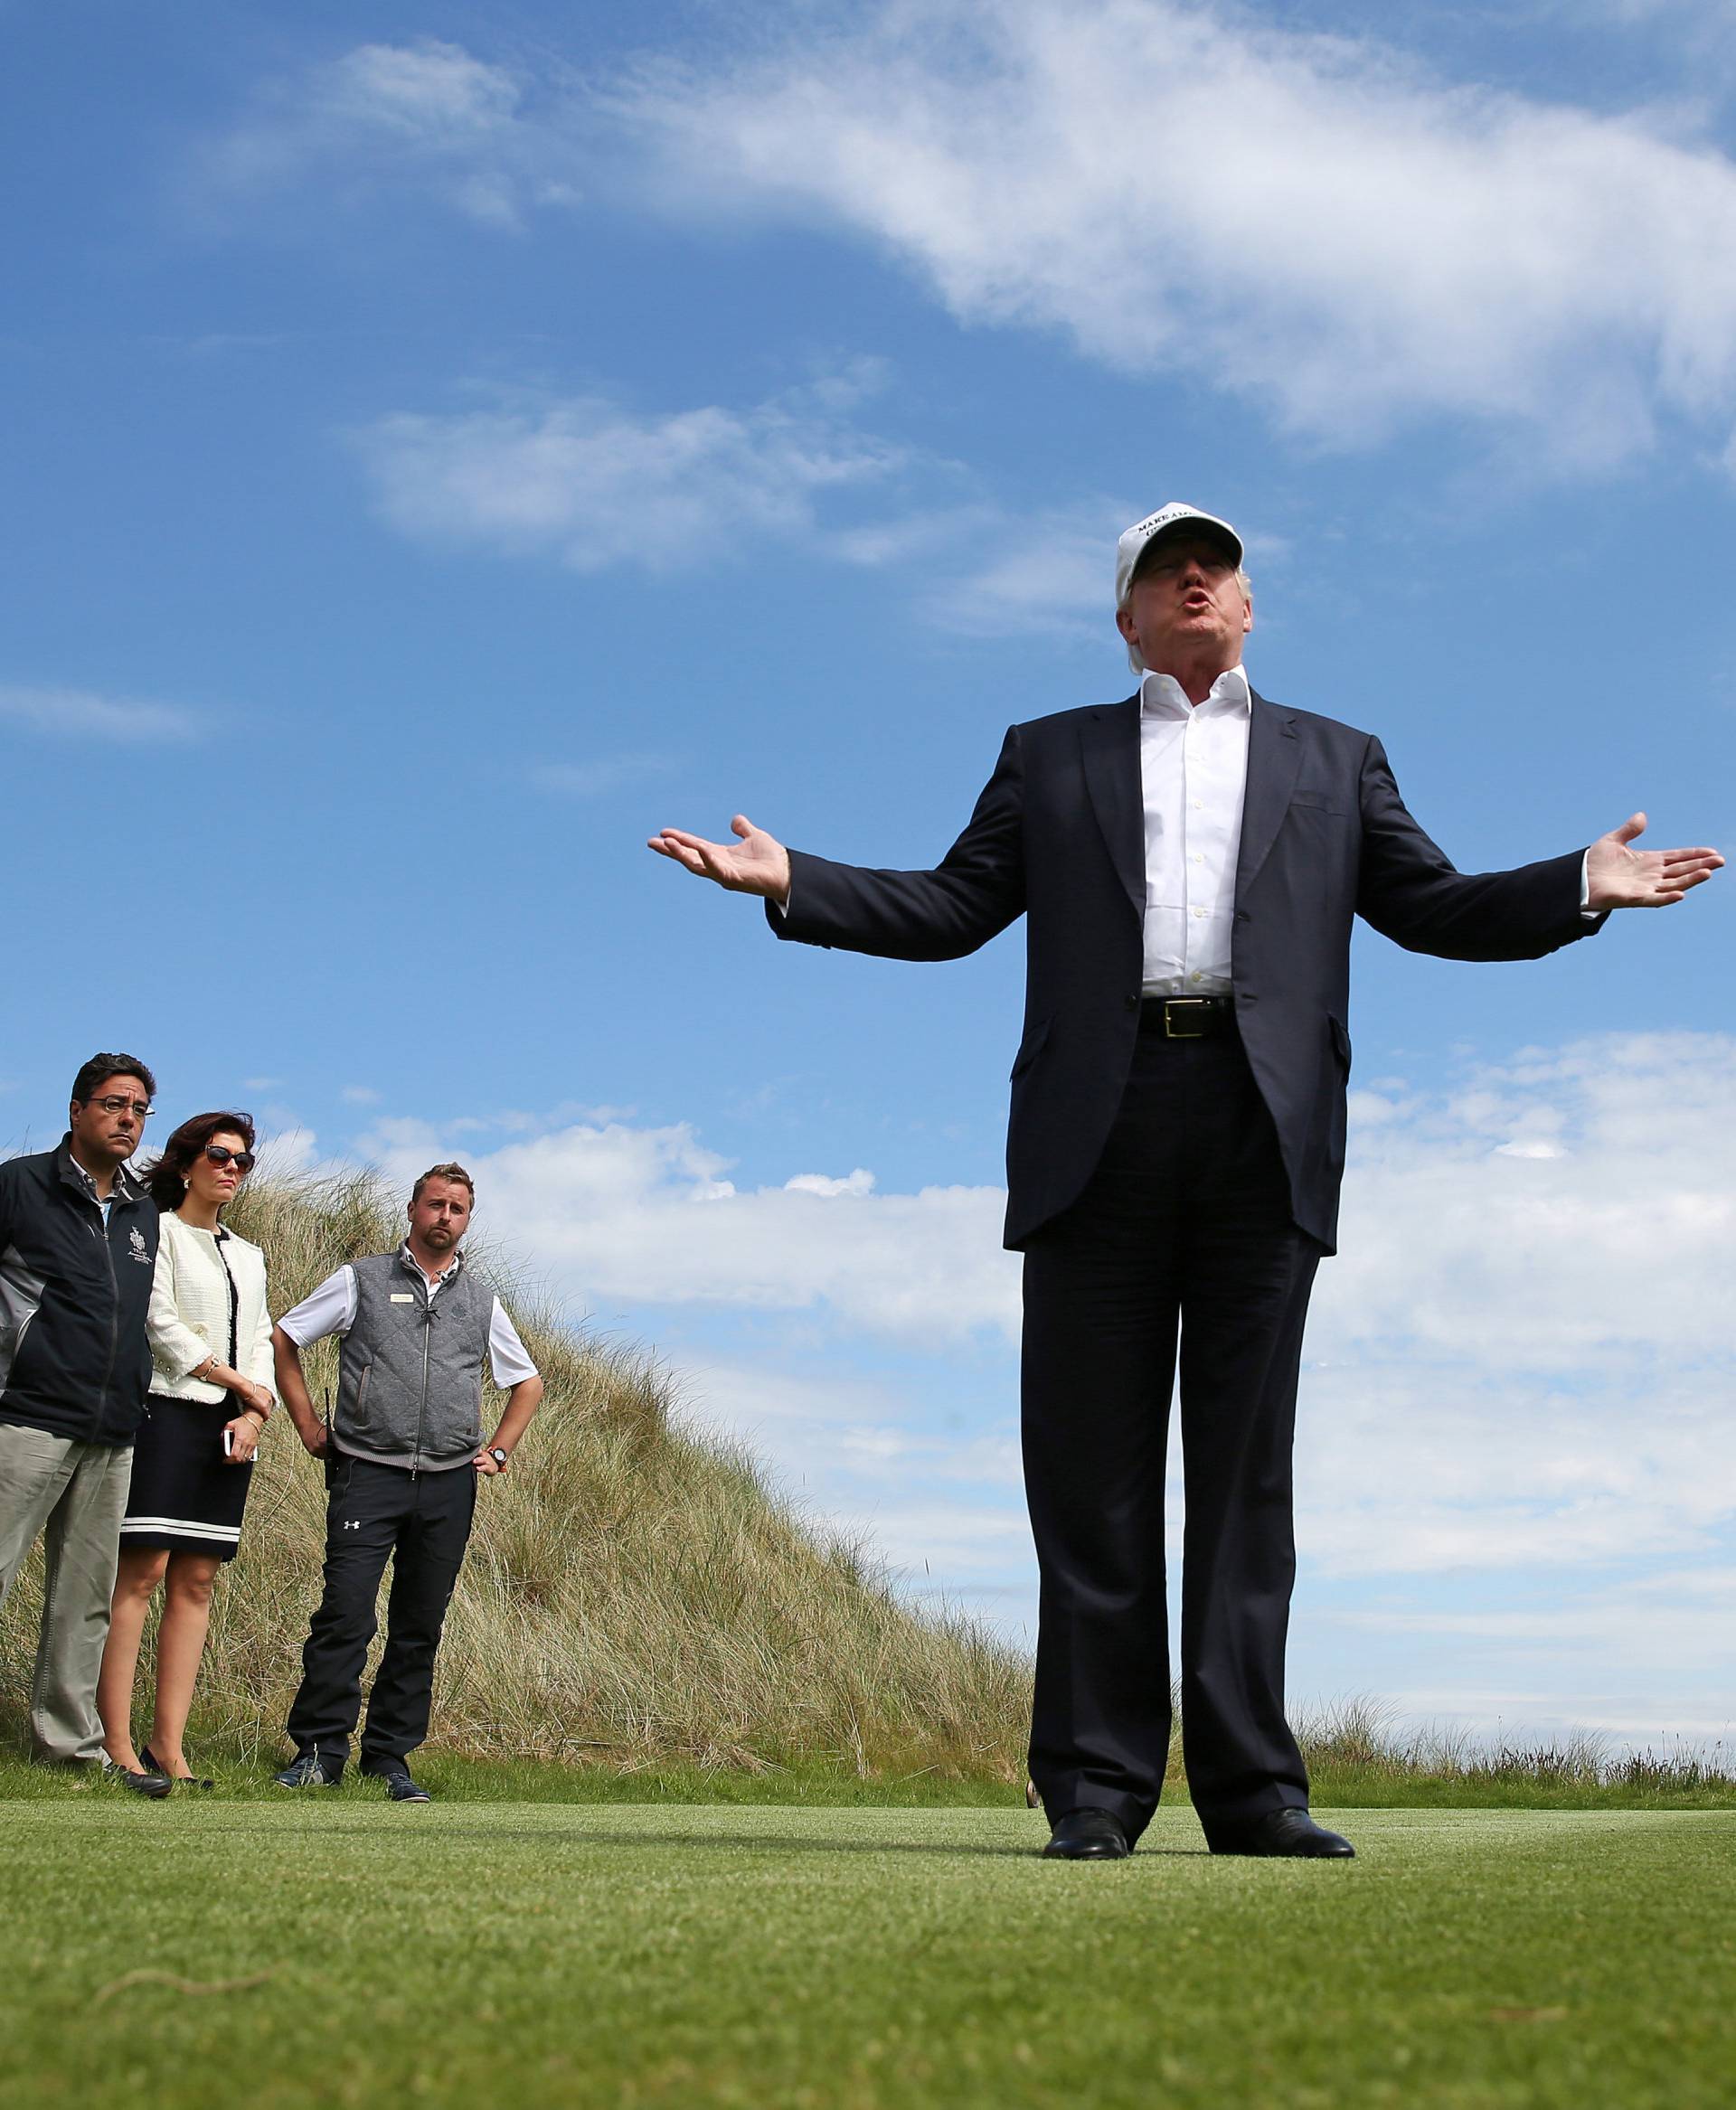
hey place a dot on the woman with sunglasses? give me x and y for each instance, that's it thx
(211, 1394)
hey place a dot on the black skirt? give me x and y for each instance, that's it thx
(186, 1497)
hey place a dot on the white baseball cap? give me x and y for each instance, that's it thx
(1141, 535)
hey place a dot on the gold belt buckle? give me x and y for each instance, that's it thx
(1201, 1010)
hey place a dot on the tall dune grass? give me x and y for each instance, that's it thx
(635, 1594)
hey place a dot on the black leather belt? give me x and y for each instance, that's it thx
(1187, 1018)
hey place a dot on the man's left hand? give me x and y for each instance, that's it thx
(486, 1464)
(1620, 878)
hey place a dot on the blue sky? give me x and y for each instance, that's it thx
(447, 443)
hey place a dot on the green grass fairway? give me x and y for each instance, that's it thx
(541, 1954)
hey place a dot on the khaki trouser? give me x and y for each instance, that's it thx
(74, 1495)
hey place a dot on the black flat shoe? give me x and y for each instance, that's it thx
(154, 1786)
(1291, 1834)
(174, 1779)
(1088, 1835)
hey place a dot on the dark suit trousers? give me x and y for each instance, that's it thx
(421, 1523)
(1185, 1231)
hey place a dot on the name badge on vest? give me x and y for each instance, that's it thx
(404, 1296)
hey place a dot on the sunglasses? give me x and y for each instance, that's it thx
(220, 1153)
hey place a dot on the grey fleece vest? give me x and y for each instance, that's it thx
(409, 1373)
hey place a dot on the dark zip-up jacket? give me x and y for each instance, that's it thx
(74, 1356)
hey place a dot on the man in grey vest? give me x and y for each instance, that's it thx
(403, 1455)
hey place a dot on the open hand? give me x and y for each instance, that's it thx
(758, 864)
(1620, 878)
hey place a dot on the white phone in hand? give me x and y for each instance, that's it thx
(229, 1443)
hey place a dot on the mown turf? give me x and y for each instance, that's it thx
(536, 1955)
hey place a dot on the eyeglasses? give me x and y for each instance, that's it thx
(220, 1153)
(142, 1107)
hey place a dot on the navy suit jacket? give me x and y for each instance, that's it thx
(1058, 836)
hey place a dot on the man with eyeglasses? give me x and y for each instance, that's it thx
(78, 1254)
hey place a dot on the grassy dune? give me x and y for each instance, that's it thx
(634, 1596)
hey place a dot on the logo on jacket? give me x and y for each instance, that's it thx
(136, 1239)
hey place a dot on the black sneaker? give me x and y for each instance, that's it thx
(153, 1785)
(308, 1769)
(399, 1786)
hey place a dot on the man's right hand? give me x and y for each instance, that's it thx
(755, 864)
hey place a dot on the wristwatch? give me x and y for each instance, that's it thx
(499, 1457)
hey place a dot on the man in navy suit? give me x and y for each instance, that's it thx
(1189, 863)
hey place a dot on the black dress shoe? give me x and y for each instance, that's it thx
(1088, 1835)
(1292, 1833)
(174, 1779)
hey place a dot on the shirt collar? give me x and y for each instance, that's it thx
(1163, 696)
(415, 1266)
(126, 1187)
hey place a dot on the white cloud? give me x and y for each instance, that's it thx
(856, 1183)
(587, 480)
(79, 713)
(289, 1148)
(1525, 1354)
(616, 1214)
(1317, 223)
(1309, 221)
(428, 116)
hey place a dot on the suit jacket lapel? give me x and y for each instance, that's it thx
(1111, 740)
(1274, 756)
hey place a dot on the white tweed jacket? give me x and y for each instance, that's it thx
(190, 1311)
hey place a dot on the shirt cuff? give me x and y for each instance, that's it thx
(1590, 914)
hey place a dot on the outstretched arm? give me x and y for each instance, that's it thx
(1618, 877)
(1410, 891)
(976, 890)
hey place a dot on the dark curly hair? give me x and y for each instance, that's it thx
(167, 1176)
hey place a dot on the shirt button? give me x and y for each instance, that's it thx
(1197, 976)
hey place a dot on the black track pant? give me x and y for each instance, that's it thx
(1184, 1230)
(420, 1522)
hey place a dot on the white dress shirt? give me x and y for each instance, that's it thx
(1193, 773)
(330, 1308)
